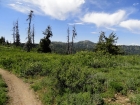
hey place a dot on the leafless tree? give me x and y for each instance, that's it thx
(74, 34)
(28, 44)
(33, 35)
(17, 34)
(14, 27)
(68, 41)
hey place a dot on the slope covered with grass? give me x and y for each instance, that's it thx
(85, 78)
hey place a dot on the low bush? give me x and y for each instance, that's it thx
(116, 86)
(135, 99)
(3, 92)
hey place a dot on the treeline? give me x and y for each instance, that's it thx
(131, 49)
(60, 47)
(3, 41)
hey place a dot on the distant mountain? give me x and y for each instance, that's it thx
(84, 45)
(131, 49)
(61, 47)
(58, 47)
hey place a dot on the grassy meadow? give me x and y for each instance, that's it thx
(84, 78)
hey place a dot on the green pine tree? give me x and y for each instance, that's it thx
(108, 44)
(44, 45)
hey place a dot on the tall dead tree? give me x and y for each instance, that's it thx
(33, 35)
(74, 34)
(14, 30)
(68, 41)
(29, 42)
(17, 34)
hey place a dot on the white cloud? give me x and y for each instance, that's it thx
(20, 8)
(58, 9)
(79, 23)
(94, 32)
(119, 44)
(18, 2)
(102, 4)
(132, 25)
(113, 29)
(104, 19)
(135, 4)
(134, 44)
(12, 5)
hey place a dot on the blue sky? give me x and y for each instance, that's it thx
(90, 17)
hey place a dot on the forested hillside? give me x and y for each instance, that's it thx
(60, 47)
(132, 49)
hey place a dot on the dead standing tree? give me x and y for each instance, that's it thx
(29, 42)
(17, 35)
(14, 30)
(33, 35)
(68, 42)
(73, 36)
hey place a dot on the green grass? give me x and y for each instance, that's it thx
(85, 78)
(3, 92)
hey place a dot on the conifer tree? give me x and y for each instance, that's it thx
(44, 45)
(107, 44)
(2, 40)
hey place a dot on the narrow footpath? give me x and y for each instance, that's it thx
(20, 92)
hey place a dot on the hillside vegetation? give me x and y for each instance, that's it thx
(84, 78)
(60, 47)
(3, 92)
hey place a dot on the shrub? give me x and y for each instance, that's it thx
(81, 99)
(7, 63)
(135, 99)
(131, 84)
(116, 86)
(3, 92)
(32, 69)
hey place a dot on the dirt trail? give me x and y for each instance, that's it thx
(19, 92)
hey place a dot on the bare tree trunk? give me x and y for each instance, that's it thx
(14, 27)
(73, 36)
(68, 46)
(72, 45)
(33, 35)
(29, 42)
(17, 35)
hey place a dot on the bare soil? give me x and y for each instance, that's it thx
(20, 92)
(119, 99)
